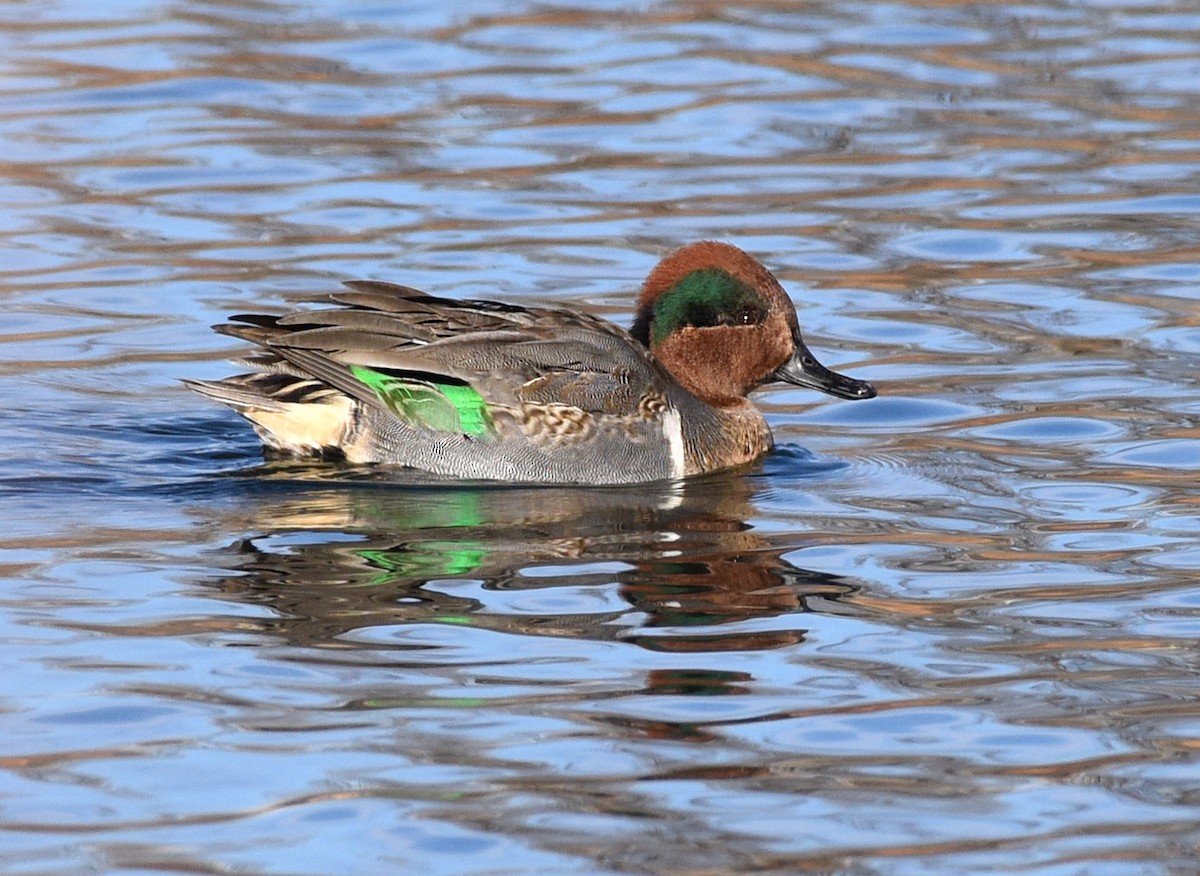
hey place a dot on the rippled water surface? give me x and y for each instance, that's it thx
(953, 629)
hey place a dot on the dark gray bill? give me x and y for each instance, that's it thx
(803, 369)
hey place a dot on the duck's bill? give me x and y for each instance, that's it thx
(803, 369)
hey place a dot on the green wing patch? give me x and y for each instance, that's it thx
(442, 407)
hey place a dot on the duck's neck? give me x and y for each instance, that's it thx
(716, 438)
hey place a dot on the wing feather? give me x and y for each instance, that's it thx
(511, 355)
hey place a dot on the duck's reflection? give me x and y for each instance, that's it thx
(672, 568)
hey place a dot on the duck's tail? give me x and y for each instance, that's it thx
(292, 414)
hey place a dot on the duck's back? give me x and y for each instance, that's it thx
(467, 389)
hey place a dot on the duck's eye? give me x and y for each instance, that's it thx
(748, 313)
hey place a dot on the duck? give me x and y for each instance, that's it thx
(488, 391)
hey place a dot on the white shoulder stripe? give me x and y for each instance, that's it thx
(673, 431)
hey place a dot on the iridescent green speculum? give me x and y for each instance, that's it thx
(703, 298)
(443, 407)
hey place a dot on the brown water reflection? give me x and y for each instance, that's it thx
(680, 561)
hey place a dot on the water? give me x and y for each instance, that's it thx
(949, 630)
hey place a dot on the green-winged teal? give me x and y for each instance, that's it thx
(484, 390)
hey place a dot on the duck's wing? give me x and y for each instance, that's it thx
(394, 347)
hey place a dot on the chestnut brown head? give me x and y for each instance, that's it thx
(722, 325)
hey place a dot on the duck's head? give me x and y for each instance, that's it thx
(722, 325)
